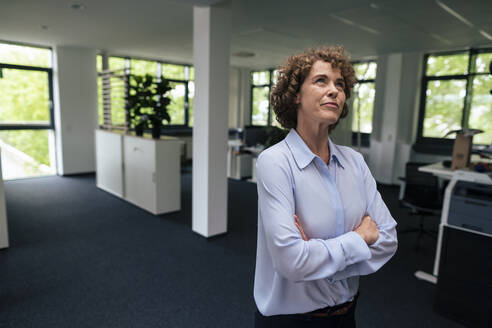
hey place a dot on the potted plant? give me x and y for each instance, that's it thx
(146, 103)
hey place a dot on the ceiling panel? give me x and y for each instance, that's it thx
(162, 29)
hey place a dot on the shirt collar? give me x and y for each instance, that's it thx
(335, 153)
(301, 152)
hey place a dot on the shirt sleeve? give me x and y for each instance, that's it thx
(292, 257)
(385, 247)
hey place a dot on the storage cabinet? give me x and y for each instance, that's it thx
(152, 179)
(109, 162)
(143, 171)
(464, 289)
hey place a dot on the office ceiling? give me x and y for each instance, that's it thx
(162, 29)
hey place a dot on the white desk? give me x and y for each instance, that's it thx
(4, 234)
(446, 174)
(255, 152)
(238, 163)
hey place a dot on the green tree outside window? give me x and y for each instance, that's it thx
(25, 100)
(458, 95)
(363, 96)
(24, 55)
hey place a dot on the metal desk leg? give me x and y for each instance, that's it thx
(432, 278)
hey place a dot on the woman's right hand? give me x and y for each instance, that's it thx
(368, 230)
(299, 226)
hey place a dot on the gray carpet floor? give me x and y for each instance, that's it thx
(80, 257)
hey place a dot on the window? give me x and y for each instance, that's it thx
(456, 93)
(363, 97)
(261, 86)
(180, 78)
(26, 111)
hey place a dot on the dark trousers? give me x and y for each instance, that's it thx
(346, 320)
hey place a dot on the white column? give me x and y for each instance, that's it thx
(245, 107)
(234, 97)
(390, 117)
(75, 96)
(395, 115)
(4, 233)
(211, 43)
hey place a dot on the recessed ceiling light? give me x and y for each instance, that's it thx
(243, 54)
(77, 6)
(44, 27)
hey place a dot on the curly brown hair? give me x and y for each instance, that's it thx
(292, 74)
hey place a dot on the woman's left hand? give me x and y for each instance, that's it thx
(298, 225)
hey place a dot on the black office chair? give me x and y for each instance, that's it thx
(419, 191)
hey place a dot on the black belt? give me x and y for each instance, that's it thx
(339, 309)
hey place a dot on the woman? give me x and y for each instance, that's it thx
(321, 221)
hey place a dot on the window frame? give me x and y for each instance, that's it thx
(365, 138)
(440, 145)
(158, 74)
(269, 85)
(51, 124)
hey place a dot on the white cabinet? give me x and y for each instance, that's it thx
(109, 162)
(152, 173)
(143, 171)
(4, 234)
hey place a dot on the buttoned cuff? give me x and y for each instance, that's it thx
(354, 248)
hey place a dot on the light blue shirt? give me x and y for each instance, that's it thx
(297, 276)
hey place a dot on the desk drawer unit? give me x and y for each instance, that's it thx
(471, 207)
(464, 286)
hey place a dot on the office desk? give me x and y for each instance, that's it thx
(238, 162)
(241, 160)
(446, 174)
(255, 152)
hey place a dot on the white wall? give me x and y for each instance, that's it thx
(75, 97)
(234, 96)
(239, 97)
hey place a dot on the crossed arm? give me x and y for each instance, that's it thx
(367, 229)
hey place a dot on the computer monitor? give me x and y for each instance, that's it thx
(254, 135)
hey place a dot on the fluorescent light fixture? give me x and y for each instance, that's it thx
(360, 26)
(485, 34)
(77, 6)
(368, 29)
(343, 20)
(243, 54)
(440, 38)
(454, 13)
